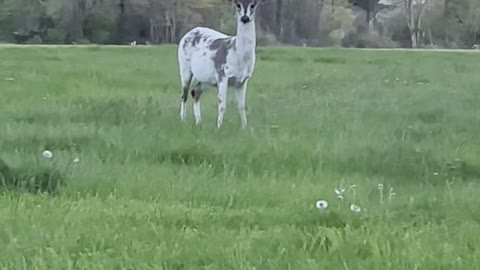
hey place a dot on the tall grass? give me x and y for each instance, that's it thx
(149, 192)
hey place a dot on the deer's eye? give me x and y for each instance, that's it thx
(238, 6)
(252, 6)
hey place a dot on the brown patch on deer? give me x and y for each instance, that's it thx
(184, 94)
(192, 40)
(197, 36)
(185, 44)
(196, 91)
(221, 47)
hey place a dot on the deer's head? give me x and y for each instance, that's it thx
(245, 10)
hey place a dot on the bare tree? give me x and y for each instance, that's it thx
(470, 20)
(414, 11)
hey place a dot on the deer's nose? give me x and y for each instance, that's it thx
(245, 19)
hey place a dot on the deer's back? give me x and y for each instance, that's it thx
(198, 39)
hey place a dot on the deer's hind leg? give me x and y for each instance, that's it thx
(196, 94)
(186, 79)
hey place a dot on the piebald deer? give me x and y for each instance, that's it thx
(210, 58)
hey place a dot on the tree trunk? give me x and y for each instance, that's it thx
(173, 37)
(120, 36)
(446, 17)
(320, 12)
(430, 36)
(279, 19)
(368, 13)
(475, 35)
(75, 29)
(414, 38)
(154, 38)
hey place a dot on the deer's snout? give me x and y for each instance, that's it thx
(244, 19)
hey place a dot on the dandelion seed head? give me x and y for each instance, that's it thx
(322, 204)
(47, 154)
(355, 208)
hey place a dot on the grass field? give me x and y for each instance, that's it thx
(150, 192)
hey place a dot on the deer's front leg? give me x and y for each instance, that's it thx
(222, 101)
(241, 94)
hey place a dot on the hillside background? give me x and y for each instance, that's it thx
(315, 23)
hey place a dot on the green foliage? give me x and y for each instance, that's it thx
(55, 36)
(227, 24)
(30, 179)
(101, 24)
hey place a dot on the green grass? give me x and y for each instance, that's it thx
(151, 192)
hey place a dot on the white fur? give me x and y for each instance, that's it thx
(197, 66)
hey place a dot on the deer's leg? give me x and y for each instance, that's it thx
(186, 79)
(240, 95)
(222, 101)
(183, 108)
(196, 94)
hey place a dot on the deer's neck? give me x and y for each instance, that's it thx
(246, 39)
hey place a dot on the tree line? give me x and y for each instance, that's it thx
(348, 23)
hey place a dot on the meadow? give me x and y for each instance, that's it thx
(131, 187)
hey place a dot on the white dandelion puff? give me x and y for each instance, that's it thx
(391, 194)
(380, 190)
(47, 154)
(322, 204)
(76, 160)
(355, 208)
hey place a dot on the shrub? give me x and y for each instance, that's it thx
(55, 36)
